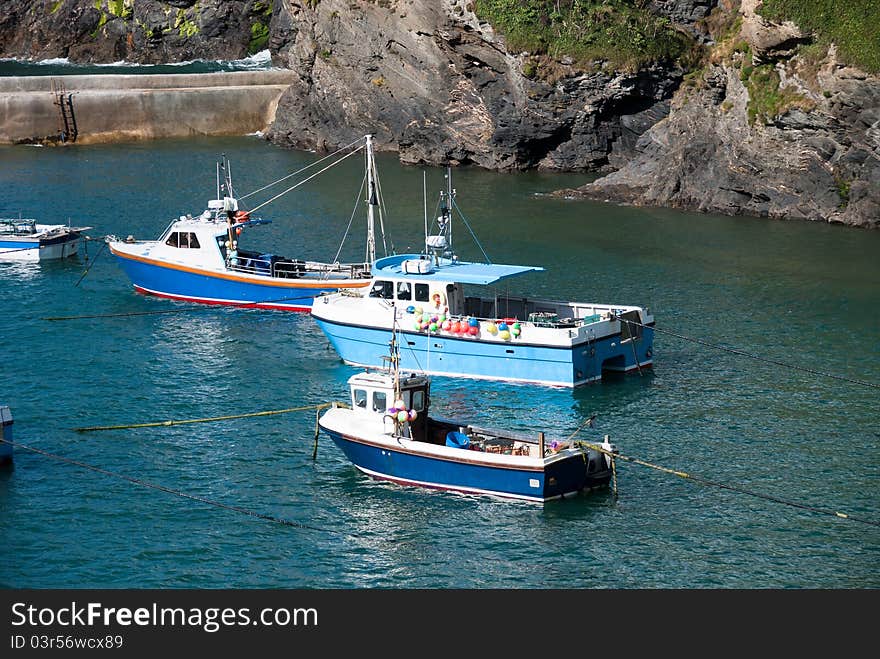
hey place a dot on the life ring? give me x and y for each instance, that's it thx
(241, 216)
(439, 299)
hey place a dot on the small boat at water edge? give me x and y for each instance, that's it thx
(198, 259)
(449, 331)
(25, 240)
(6, 428)
(387, 432)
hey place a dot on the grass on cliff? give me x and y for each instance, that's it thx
(618, 31)
(853, 25)
(767, 98)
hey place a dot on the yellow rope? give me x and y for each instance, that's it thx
(155, 424)
(723, 486)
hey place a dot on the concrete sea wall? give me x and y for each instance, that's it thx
(110, 108)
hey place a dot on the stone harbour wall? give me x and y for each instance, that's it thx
(110, 108)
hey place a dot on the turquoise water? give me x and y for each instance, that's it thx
(797, 293)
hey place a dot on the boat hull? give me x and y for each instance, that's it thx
(6, 432)
(183, 283)
(442, 354)
(558, 478)
(38, 249)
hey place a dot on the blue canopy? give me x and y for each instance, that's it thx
(448, 270)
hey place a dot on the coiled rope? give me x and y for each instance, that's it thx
(743, 353)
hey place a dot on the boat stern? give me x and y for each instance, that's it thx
(6, 434)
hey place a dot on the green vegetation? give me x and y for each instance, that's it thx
(262, 7)
(185, 27)
(767, 100)
(56, 6)
(121, 8)
(620, 32)
(259, 37)
(842, 191)
(101, 23)
(854, 26)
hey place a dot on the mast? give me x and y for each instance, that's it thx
(440, 245)
(425, 202)
(371, 202)
(449, 200)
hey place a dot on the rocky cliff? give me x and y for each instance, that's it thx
(432, 81)
(138, 31)
(766, 126)
(774, 125)
(427, 78)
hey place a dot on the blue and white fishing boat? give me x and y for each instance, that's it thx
(26, 240)
(450, 331)
(387, 433)
(198, 259)
(6, 433)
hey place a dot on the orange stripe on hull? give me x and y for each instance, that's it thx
(278, 283)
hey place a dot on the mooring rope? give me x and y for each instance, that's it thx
(156, 424)
(168, 490)
(86, 271)
(743, 353)
(724, 486)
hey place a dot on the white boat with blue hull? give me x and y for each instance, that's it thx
(199, 259)
(450, 332)
(386, 431)
(26, 240)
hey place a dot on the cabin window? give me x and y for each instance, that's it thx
(418, 400)
(183, 239)
(360, 398)
(383, 289)
(404, 292)
(379, 401)
(421, 292)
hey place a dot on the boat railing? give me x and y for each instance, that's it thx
(347, 270)
(281, 268)
(18, 227)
